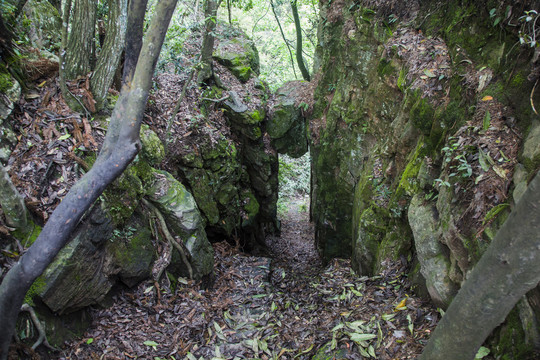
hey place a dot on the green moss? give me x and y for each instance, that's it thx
(35, 290)
(385, 68)
(408, 183)
(402, 79)
(511, 339)
(153, 150)
(256, 117)
(6, 82)
(123, 197)
(496, 89)
(251, 205)
(422, 115)
(28, 237)
(517, 80)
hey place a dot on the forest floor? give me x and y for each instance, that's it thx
(284, 306)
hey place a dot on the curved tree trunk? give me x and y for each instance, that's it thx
(121, 145)
(79, 50)
(299, 58)
(506, 272)
(135, 22)
(110, 54)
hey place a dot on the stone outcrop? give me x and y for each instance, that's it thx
(415, 138)
(287, 126)
(239, 55)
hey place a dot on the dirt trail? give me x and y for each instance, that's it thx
(281, 308)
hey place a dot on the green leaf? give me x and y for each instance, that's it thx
(482, 352)
(356, 337)
(411, 325)
(151, 343)
(64, 137)
(487, 120)
(483, 160)
(371, 351)
(500, 171)
(429, 73)
(388, 316)
(89, 341)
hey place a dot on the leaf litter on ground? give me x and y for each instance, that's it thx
(286, 306)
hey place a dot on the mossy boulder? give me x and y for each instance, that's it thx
(153, 150)
(435, 266)
(12, 91)
(240, 56)
(286, 125)
(73, 280)
(244, 120)
(371, 232)
(132, 250)
(43, 28)
(185, 223)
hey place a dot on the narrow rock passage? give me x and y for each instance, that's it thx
(281, 308)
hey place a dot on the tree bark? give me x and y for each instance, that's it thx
(299, 57)
(135, 22)
(110, 54)
(509, 268)
(284, 38)
(80, 49)
(120, 147)
(210, 18)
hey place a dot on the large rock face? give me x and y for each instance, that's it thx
(115, 241)
(415, 137)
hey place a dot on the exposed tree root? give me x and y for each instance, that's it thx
(42, 339)
(178, 245)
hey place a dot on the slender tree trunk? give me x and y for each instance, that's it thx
(299, 57)
(229, 11)
(135, 22)
(80, 44)
(210, 17)
(509, 268)
(284, 38)
(120, 147)
(110, 54)
(68, 97)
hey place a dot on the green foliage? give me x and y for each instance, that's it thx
(259, 23)
(6, 82)
(294, 176)
(422, 115)
(529, 28)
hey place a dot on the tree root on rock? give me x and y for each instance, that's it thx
(42, 339)
(177, 244)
